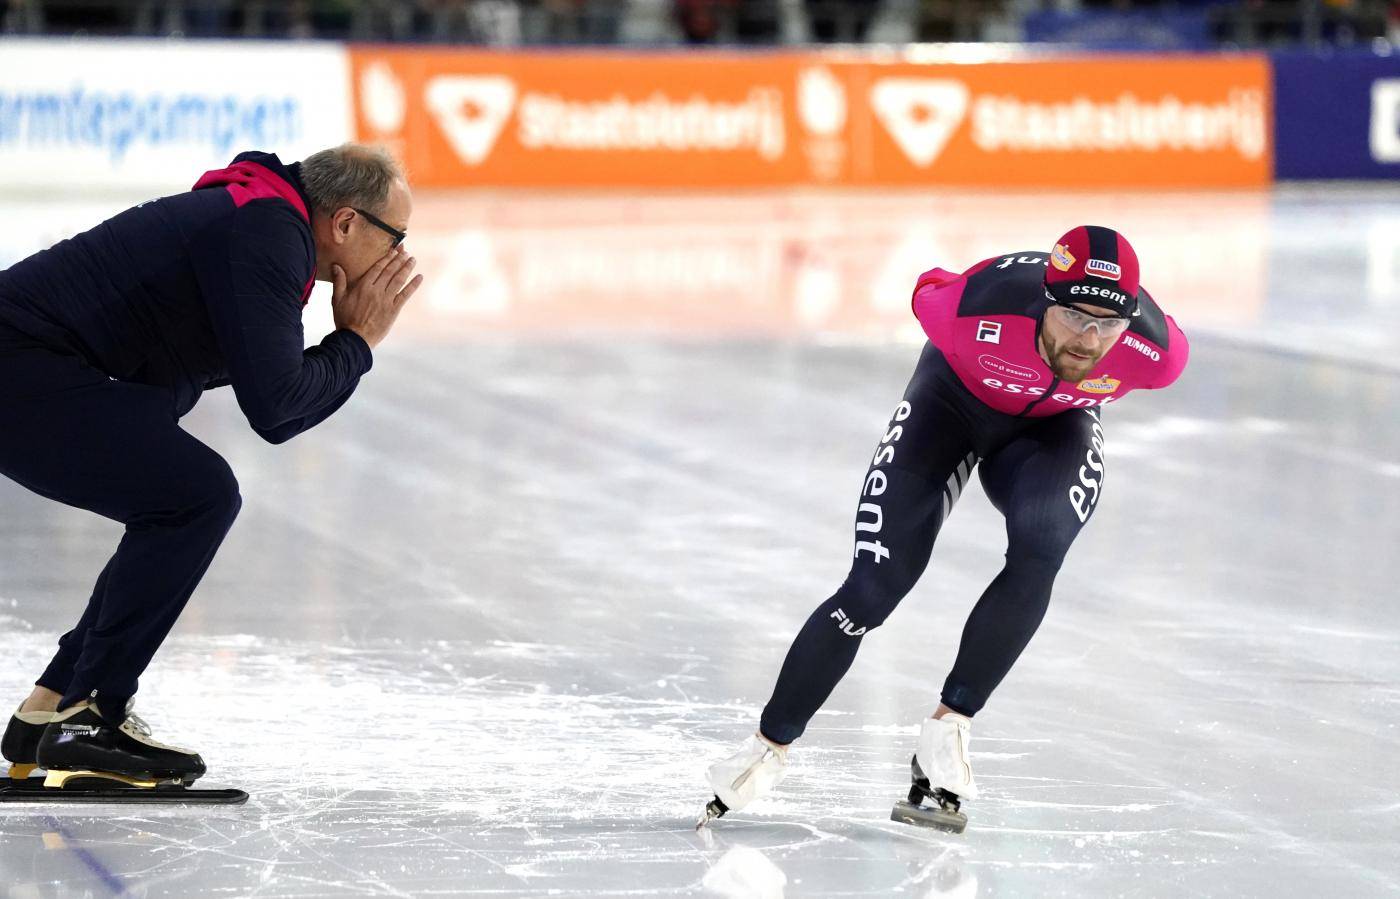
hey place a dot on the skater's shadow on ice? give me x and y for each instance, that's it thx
(745, 872)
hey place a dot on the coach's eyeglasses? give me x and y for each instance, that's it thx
(383, 226)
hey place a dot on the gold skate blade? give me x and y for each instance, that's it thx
(20, 772)
(94, 787)
(928, 816)
(74, 780)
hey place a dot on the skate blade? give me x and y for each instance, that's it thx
(20, 772)
(33, 790)
(713, 809)
(928, 816)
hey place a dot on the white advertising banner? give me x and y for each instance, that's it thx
(154, 115)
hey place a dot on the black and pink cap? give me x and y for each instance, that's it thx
(1095, 266)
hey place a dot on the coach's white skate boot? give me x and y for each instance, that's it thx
(751, 772)
(942, 773)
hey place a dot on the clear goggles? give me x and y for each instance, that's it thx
(1080, 322)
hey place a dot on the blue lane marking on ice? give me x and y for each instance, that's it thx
(94, 864)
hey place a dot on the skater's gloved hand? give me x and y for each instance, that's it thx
(372, 304)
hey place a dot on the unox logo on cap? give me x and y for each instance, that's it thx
(1103, 268)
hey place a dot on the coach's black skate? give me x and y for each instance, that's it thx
(88, 759)
(21, 743)
(80, 739)
(942, 812)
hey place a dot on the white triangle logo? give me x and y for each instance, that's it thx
(921, 114)
(471, 110)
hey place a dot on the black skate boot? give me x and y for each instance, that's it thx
(89, 759)
(79, 739)
(942, 812)
(21, 743)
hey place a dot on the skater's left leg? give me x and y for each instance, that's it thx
(1047, 482)
(58, 676)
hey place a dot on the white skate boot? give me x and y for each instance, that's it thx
(942, 773)
(751, 772)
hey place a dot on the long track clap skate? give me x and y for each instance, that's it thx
(750, 773)
(943, 759)
(110, 787)
(76, 748)
(944, 812)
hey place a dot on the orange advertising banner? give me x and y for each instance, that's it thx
(462, 118)
(1182, 121)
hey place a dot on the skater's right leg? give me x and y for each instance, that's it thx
(76, 436)
(920, 468)
(827, 644)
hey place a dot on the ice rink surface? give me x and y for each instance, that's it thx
(481, 632)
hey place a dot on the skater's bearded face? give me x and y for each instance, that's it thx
(1069, 347)
(355, 239)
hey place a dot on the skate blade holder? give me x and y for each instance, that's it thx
(945, 812)
(713, 811)
(104, 780)
(22, 772)
(933, 816)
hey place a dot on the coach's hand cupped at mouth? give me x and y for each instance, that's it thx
(370, 306)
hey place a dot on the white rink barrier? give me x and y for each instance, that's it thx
(153, 115)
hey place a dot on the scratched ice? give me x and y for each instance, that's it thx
(481, 632)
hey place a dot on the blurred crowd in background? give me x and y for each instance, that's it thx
(1104, 24)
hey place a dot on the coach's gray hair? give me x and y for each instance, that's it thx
(349, 175)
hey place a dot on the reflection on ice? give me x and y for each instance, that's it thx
(745, 873)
